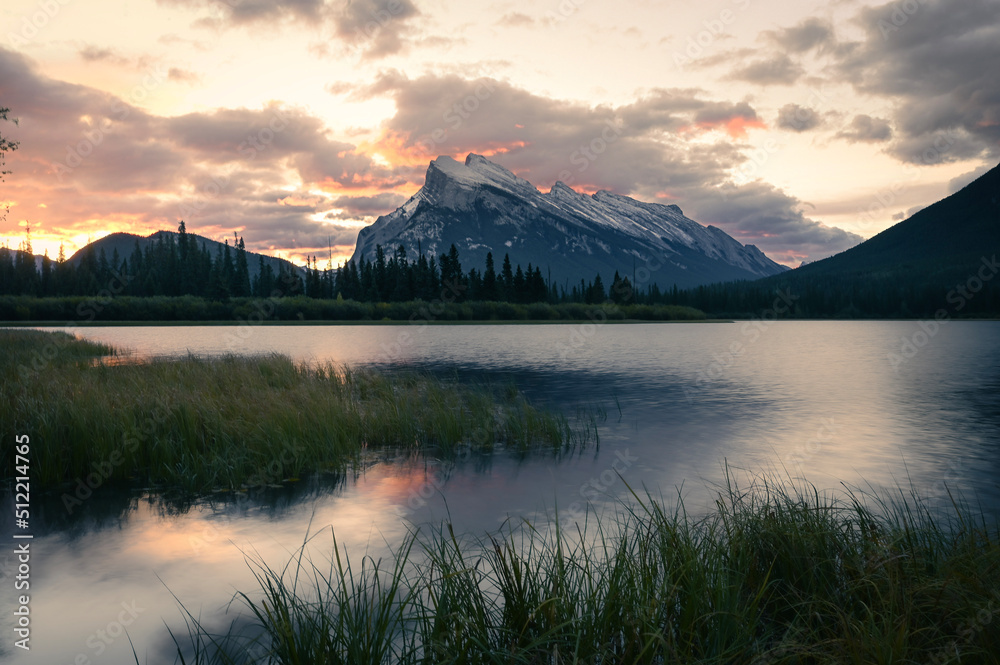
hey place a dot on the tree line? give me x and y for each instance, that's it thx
(184, 266)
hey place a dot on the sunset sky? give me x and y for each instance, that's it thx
(801, 127)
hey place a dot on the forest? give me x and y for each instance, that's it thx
(204, 285)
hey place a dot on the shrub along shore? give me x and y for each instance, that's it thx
(96, 416)
(80, 309)
(777, 573)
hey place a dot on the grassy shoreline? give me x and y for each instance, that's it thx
(778, 573)
(474, 322)
(231, 422)
(300, 308)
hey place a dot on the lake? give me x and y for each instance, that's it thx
(884, 403)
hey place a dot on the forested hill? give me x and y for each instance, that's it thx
(943, 258)
(948, 238)
(162, 264)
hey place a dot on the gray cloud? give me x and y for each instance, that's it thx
(866, 129)
(956, 184)
(180, 75)
(364, 206)
(378, 27)
(813, 33)
(763, 215)
(240, 12)
(636, 149)
(91, 53)
(516, 20)
(99, 157)
(797, 118)
(778, 69)
(933, 62)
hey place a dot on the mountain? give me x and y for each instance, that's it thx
(124, 244)
(481, 207)
(941, 262)
(949, 237)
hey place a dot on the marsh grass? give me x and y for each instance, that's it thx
(776, 573)
(235, 421)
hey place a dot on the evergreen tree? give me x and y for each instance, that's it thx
(506, 279)
(489, 287)
(241, 280)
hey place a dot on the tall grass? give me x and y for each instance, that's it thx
(302, 308)
(774, 574)
(235, 421)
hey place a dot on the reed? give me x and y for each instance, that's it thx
(234, 421)
(776, 573)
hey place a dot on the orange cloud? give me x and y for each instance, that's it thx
(736, 126)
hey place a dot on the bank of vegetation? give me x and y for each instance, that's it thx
(775, 574)
(96, 416)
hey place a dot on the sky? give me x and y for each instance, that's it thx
(801, 127)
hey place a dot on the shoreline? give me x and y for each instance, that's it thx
(483, 322)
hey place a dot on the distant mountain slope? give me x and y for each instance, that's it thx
(951, 235)
(942, 261)
(125, 243)
(481, 207)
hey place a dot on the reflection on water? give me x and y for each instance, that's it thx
(817, 400)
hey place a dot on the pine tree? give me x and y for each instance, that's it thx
(506, 279)
(489, 287)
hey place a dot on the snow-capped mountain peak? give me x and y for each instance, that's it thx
(480, 206)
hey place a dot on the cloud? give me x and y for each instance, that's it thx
(866, 129)
(813, 33)
(759, 213)
(362, 206)
(242, 12)
(775, 70)
(932, 63)
(797, 118)
(956, 184)
(377, 27)
(91, 53)
(96, 159)
(272, 172)
(639, 149)
(516, 20)
(182, 75)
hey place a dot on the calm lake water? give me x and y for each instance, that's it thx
(830, 402)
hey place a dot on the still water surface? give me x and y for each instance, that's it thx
(831, 402)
